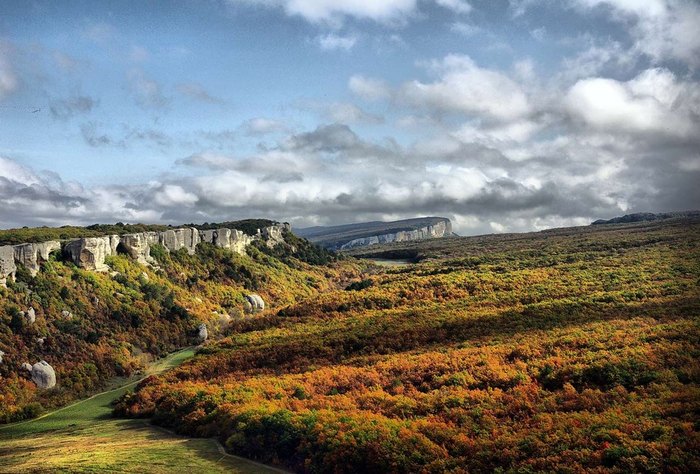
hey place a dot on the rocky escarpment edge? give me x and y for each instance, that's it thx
(90, 252)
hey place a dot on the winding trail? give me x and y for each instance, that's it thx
(83, 437)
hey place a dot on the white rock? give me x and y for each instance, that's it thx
(41, 340)
(43, 375)
(255, 301)
(1, 355)
(7, 264)
(202, 332)
(27, 366)
(30, 316)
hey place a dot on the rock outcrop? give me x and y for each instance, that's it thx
(202, 332)
(348, 236)
(90, 252)
(2, 354)
(253, 303)
(30, 316)
(43, 375)
(176, 239)
(440, 229)
(7, 264)
(31, 255)
(138, 246)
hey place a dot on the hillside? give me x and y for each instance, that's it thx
(90, 326)
(569, 350)
(647, 216)
(348, 236)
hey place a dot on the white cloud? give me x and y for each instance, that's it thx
(334, 11)
(457, 6)
(369, 89)
(262, 126)
(662, 29)
(654, 101)
(465, 29)
(174, 195)
(467, 88)
(333, 42)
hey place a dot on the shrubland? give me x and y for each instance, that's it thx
(93, 326)
(565, 351)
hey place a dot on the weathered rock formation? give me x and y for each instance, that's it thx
(202, 332)
(27, 366)
(43, 375)
(90, 252)
(31, 255)
(2, 354)
(138, 246)
(253, 303)
(7, 264)
(30, 316)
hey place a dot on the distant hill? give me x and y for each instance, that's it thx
(344, 237)
(646, 216)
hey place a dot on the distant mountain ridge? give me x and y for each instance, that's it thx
(646, 216)
(347, 236)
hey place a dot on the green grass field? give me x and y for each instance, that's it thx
(84, 437)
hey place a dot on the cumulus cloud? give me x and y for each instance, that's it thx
(654, 101)
(263, 126)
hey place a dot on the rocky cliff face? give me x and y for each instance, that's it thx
(90, 252)
(348, 236)
(440, 229)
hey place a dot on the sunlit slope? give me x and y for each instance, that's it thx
(569, 350)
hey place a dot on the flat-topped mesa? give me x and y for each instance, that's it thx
(31, 255)
(436, 230)
(90, 252)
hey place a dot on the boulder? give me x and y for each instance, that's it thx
(30, 316)
(256, 302)
(202, 332)
(40, 340)
(43, 375)
(7, 264)
(90, 252)
(1, 356)
(27, 366)
(66, 314)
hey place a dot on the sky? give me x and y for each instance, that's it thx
(504, 116)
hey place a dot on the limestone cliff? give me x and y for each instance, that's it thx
(348, 236)
(90, 252)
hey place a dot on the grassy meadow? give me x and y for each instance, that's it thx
(84, 437)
